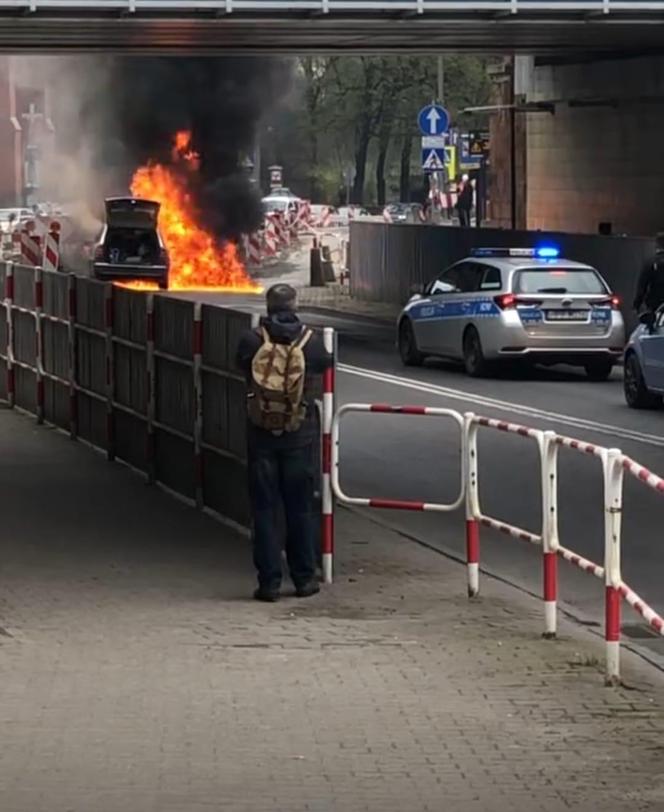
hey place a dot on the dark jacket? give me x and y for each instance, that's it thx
(650, 287)
(465, 199)
(284, 328)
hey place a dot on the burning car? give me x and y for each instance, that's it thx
(130, 246)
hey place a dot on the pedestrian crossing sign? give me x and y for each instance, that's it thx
(433, 160)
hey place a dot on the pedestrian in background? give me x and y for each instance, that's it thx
(465, 201)
(279, 360)
(650, 287)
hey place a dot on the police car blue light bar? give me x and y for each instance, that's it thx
(543, 252)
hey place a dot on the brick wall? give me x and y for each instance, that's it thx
(598, 163)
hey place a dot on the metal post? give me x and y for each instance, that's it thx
(198, 403)
(512, 114)
(327, 534)
(9, 307)
(472, 505)
(549, 466)
(613, 487)
(71, 339)
(110, 373)
(39, 344)
(150, 369)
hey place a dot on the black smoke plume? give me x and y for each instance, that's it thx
(131, 113)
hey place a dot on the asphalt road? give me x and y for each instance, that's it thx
(406, 457)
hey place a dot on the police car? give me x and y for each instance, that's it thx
(643, 378)
(515, 304)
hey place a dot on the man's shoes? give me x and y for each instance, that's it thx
(307, 589)
(266, 595)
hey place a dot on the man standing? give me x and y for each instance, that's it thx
(465, 201)
(650, 287)
(278, 360)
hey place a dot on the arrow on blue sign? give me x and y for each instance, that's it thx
(433, 120)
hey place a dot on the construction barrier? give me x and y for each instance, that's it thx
(150, 380)
(613, 464)
(52, 248)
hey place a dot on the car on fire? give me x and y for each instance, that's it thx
(515, 304)
(130, 246)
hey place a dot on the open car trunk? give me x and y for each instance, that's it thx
(131, 212)
(132, 246)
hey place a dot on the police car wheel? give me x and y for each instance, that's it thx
(636, 391)
(599, 369)
(408, 351)
(473, 356)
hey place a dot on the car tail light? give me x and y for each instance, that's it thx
(508, 301)
(613, 303)
(99, 252)
(163, 256)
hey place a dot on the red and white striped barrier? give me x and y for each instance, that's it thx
(31, 250)
(252, 248)
(271, 237)
(52, 248)
(327, 495)
(392, 504)
(613, 466)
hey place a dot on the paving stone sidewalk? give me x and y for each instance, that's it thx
(136, 675)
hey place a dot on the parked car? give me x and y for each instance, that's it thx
(403, 213)
(130, 246)
(516, 304)
(643, 376)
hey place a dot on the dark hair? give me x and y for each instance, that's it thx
(281, 299)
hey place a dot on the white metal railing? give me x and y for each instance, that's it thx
(613, 465)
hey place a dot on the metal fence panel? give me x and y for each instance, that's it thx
(129, 315)
(90, 303)
(237, 418)
(24, 286)
(92, 420)
(174, 463)
(25, 338)
(91, 362)
(130, 380)
(222, 329)
(56, 294)
(3, 277)
(174, 326)
(3, 379)
(225, 487)
(55, 348)
(56, 403)
(131, 438)
(215, 411)
(25, 388)
(174, 394)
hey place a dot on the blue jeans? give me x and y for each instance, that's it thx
(282, 475)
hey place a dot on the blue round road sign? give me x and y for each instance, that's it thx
(433, 120)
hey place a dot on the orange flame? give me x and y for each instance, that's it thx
(197, 259)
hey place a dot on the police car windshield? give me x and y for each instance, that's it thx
(558, 281)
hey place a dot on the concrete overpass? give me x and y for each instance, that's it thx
(581, 27)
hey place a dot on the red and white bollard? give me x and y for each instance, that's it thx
(271, 238)
(472, 506)
(549, 468)
(327, 530)
(31, 250)
(613, 487)
(52, 248)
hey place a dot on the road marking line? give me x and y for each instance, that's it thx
(503, 405)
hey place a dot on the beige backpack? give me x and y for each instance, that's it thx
(276, 388)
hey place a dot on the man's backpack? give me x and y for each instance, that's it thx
(276, 388)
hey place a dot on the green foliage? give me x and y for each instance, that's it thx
(358, 113)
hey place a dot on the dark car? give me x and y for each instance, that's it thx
(130, 246)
